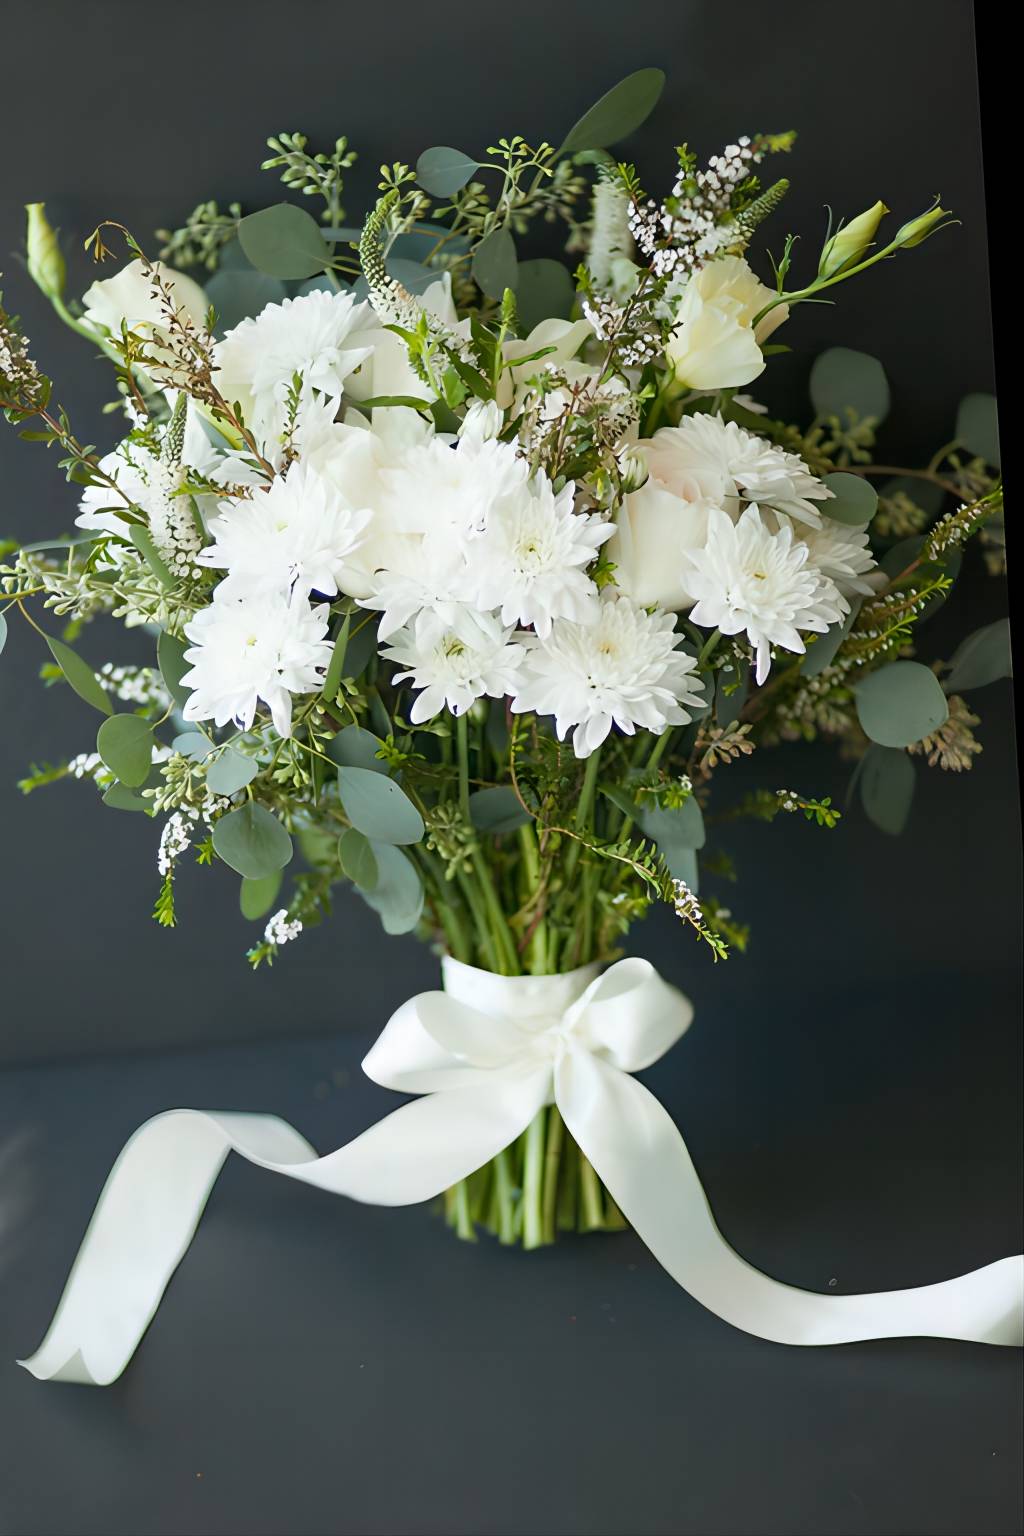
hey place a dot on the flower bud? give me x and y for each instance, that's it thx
(45, 262)
(920, 228)
(851, 243)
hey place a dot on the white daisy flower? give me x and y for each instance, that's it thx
(753, 581)
(624, 669)
(530, 558)
(323, 337)
(455, 655)
(753, 468)
(298, 532)
(246, 649)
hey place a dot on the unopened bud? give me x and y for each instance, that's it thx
(45, 262)
(851, 243)
(920, 228)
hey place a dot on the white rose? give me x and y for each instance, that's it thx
(715, 344)
(129, 296)
(564, 337)
(660, 522)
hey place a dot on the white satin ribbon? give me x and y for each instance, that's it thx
(487, 1053)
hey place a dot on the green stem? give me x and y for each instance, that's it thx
(503, 1183)
(533, 1180)
(462, 739)
(591, 1198)
(552, 1165)
(463, 1218)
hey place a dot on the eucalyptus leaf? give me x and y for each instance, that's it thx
(193, 744)
(821, 653)
(544, 290)
(378, 807)
(79, 675)
(896, 559)
(170, 656)
(252, 841)
(121, 798)
(677, 827)
(358, 859)
(887, 781)
(496, 809)
(854, 500)
(619, 112)
(495, 266)
(256, 897)
(125, 743)
(982, 658)
(397, 897)
(842, 378)
(3, 631)
(238, 296)
(230, 772)
(354, 747)
(923, 493)
(900, 703)
(284, 241)
(977, 427)
(442, 171)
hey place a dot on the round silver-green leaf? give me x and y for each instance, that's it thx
(354, 747)
(238, 296)
(125, 743)
(977, 427)
(284, 241)
(441, 171)
(982, 658)
(377, 807)
(252, 841)
(842, 379)
(230, 772)
(854, 500)
(358, 859)
(397, 897)
(256, 897)
(900, 703)
(887, 782)
(544, 290)
(495, 266)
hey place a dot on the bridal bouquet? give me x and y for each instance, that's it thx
(462, 575)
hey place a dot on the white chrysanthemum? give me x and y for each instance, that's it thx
(298, 532)
(247, 649)
(439, 485)
(455, 655)
(753, 581)
(842, 553)
(752, 467)
(530, 558)
(624, 669)
(323, 337)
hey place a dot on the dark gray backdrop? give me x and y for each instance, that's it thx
(849, 1089)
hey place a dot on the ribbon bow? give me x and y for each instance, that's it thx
(486, 1054)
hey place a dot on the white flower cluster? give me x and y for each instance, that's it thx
(281, 929)
(482, 568)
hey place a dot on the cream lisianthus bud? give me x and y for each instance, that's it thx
(917, 230)
(851, 244)
(45, 262)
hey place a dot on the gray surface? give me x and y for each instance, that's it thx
(319, 1366)
(849, 1090)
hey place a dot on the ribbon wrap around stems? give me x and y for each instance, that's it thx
(487, 1054)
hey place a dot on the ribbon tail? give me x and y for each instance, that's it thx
(637, 1151)
(157, 1190)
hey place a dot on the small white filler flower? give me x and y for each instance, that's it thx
(625, 669)
(265, 647)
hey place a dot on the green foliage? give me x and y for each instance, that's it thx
(201, 239)
(125, 743)
(284, 242)
(80, 675)
(320, 175)
(252, 841)
(843, 380)
(378, 807)
(900, 704)
(617, 114)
